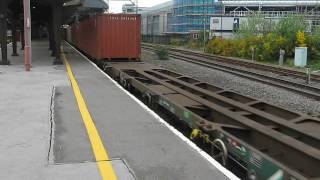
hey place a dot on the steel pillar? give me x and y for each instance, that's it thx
(3, 32)
(57, 20)
(22, 35)
(51, 37)
(14, 37)
(50, 32)
(27, 34)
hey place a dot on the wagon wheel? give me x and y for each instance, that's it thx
(105, 67)
(128, 86)
(219, 151)
(147, 98)
(125, 84)
(123, 81)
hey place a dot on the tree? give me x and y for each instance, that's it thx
(255, 24)
(288, 28)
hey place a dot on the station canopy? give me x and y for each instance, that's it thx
(82, 8)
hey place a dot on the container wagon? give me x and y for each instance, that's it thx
(110, 37)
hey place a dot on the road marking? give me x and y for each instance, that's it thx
(100, 153)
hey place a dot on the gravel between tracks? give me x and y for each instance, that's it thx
(272, 74)
(267, 93)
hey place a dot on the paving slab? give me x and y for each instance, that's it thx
(69, 129)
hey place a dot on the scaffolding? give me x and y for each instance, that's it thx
(193, 15)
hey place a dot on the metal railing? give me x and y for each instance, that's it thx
(274, 13)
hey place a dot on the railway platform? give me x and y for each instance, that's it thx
(74, 122)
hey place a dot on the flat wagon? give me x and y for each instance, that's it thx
(256, 139)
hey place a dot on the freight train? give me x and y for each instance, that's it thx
(254, 139)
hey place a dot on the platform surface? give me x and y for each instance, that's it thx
(42, 134)
(25, 128)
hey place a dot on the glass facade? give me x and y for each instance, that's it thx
(190, 15)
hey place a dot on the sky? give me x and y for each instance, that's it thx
(116, 7)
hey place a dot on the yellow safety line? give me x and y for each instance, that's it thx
(100, 153)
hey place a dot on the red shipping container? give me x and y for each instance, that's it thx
(109, 36)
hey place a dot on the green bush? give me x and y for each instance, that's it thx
(199, 42)
(193, 44)
(267, 41)
(162, 52)
(177, 42)
(313, 44)
(222, 47)
(265, 47)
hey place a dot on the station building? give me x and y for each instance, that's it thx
(219, 16)
(155, 20)
(193, 15)
(236, 12)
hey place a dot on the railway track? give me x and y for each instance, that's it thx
(242, 68)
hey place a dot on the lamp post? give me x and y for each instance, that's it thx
(222, 11)
(27, 34)
(204, 28)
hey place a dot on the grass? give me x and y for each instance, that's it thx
(315, 64)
